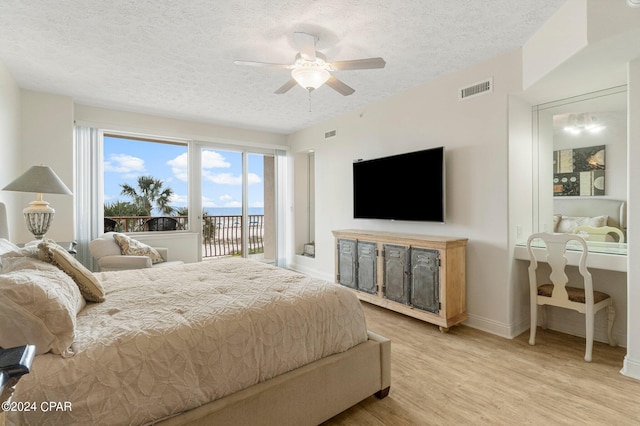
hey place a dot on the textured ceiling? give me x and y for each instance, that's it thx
(175, 58)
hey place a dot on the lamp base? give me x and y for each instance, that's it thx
(38, 217)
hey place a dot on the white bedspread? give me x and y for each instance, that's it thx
(170, 339)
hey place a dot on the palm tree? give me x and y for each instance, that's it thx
(148, 195)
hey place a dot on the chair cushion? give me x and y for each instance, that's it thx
(575, 294)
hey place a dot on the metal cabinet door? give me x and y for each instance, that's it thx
(425, 279)
(396, 263)
(367, 267)
(347, 263)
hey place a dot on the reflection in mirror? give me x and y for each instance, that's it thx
(580, 158)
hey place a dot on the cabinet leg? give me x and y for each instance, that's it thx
(383, 392)
(444, 329)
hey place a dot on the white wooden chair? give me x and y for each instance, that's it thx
(600, 233)
(557, 293)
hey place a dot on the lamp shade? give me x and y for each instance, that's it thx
(38, 179)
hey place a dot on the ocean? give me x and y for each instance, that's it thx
(232, 211)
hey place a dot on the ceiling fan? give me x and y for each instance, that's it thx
(311, 69)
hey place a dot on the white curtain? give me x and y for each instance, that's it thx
(282, 201)
(89, 203)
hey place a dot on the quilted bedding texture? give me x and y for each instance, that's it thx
(171, 339)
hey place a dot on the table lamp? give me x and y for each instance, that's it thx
(39, 179)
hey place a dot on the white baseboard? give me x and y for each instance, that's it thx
(491, 326)
(631, 368)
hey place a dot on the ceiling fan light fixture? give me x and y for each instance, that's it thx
(310, 77)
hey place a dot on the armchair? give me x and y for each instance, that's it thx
(107, 252)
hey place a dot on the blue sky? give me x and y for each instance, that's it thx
(125, 160)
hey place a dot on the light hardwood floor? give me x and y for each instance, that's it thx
(468, 377)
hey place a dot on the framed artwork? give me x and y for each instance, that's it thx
(579, 171)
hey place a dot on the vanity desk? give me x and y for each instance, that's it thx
(609, 256)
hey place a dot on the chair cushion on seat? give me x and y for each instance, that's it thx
(575, 294)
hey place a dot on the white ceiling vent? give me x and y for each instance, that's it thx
(330, 134)
(476, 89)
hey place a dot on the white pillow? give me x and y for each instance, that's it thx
(7, 246)
(568, 224)
(8, 249)
(38, 305)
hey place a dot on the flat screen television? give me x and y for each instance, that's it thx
(408, 186)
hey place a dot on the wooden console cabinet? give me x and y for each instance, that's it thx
(418, 275)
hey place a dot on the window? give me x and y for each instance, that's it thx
(145, 184)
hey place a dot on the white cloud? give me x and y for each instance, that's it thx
(253, 178)
(213, 160)
(226, 197)
(257, 204)
(127, 165)
(210, 160)
(179, 167)
(233, 204)
(178, 200)
(207, 202)
(231, 179)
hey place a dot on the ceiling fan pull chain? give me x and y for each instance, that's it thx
(309, 91)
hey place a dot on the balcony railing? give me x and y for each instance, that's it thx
(221, 235)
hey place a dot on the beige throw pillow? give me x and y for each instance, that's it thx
(131, 247)
(88, 284)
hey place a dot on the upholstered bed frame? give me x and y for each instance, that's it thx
(592, 207)
(306, 396)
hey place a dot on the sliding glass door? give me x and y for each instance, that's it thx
(238, 204)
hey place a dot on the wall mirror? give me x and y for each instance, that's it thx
(580, 159)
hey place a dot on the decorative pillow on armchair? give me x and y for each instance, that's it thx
(131, 247)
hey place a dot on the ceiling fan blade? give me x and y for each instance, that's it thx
(262, 64)
(358, 64)
(306, 44)
(339, 86)
(286, 87)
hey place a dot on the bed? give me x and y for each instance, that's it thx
(595, 212)
(230, 341)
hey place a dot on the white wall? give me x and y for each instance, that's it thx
(564, 34)
(47, 138)
(520, 207)
(474, 134)
(632, 360)
(10, 147)
(169, 127)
